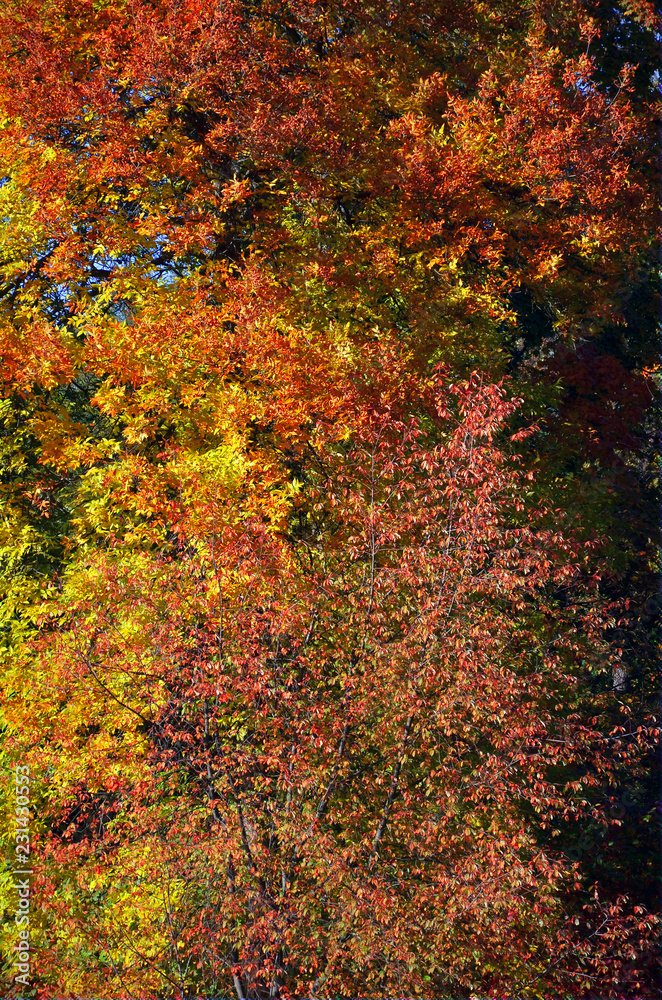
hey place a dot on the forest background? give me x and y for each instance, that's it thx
(329, 521)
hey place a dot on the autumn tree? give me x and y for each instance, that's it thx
(327, 383)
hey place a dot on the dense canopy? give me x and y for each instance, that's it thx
(328, 591)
